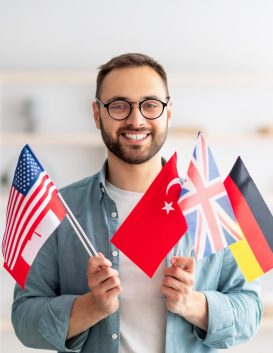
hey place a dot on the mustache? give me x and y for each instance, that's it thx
(129, 129)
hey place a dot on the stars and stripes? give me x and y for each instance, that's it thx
(33, 199)
(205, 204)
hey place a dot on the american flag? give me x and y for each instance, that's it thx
(33, 212)
(205, 204)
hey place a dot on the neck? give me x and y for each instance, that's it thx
(132, 177)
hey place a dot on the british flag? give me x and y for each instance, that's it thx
(206, 206)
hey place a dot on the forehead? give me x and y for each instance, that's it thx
(133, 82)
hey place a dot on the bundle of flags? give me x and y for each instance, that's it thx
(216, 213)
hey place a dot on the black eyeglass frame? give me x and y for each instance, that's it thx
(106, 105)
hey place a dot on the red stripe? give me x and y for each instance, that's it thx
(27, 221)
(204, 155)
(199, 234)
(12, 191)
(57, 206)
(249, 226)
(18, 272)
(29, 234)
(25, 209)
(10, 201)
(15, 210)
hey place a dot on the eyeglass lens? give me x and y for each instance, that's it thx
(150, 109)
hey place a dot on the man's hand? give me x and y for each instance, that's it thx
(181, 299)
(104, 285)
(100, 302)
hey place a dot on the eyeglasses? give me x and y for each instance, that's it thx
(121, 109)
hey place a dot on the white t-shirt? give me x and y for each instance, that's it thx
(142, 304)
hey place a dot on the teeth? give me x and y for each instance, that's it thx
(136, 137)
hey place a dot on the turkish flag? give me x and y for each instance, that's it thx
(156, 223)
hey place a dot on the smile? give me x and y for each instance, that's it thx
(135, 137)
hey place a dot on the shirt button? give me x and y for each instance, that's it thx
(115, 253)
(114, 214)
(114, 336)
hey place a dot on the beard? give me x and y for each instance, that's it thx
(135, 154)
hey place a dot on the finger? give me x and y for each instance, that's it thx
(96, 262)
(179, 274)
(169, 292)
(187, 263)
(103, 274)
(110, 284)
(114, 292)
(172, 282)
(94, 279)
(106, 286)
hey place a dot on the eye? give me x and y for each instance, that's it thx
(119, 105)
(151, 104)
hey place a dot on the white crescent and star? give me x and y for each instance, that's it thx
(168, 205)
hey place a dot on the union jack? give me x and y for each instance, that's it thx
(206, 206)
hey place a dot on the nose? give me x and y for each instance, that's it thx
(135, 119)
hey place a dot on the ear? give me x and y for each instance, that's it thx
(96, 114)
(169, 113)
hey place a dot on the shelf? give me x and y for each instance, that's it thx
(76, 139)
(47, 77)
(94, 139)
(191, 133)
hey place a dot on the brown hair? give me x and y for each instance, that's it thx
(129, 60)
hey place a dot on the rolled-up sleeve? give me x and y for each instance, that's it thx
(234, 310)
(40, 314)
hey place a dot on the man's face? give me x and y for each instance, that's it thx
(136, 139)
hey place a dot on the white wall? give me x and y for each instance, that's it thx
(219, 56)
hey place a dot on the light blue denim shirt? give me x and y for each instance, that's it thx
(41, 312)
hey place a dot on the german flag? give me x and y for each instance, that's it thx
(253, 254)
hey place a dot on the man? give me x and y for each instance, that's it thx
(113, 307)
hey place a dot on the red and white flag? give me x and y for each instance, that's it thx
(156, 223)
(34, 211)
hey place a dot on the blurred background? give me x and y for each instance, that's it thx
(219, 57)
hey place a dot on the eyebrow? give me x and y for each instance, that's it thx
(114, 98)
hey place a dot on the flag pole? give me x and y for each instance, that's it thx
(78, 229)
(79, 235)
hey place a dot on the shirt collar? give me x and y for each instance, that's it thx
(102, 176)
